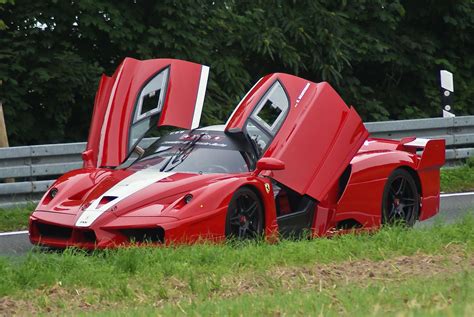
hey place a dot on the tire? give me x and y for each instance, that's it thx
(401, 199)
(244, 215)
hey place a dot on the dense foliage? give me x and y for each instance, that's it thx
(382, 56)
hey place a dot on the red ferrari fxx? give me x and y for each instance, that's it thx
(292, 158)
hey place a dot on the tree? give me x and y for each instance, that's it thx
(382, 56)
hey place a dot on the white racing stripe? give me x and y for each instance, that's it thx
(106, 118)
(122, 190)
(200, 97)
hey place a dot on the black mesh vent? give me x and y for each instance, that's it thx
(145, 235)
(52, 231)
(87, 236)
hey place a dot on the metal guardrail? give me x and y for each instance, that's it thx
(35, 167)
(458, 133)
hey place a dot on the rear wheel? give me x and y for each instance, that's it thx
(244, 215)
(401, 199)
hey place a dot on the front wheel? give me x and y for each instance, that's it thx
(244, 215)
(401, 199)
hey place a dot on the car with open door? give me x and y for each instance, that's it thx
(292, 158)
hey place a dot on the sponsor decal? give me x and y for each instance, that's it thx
(303, 92)
(214, 144)
(189, 137)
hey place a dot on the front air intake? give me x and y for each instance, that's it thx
(144, 235)
(85, 235)
(52, 231)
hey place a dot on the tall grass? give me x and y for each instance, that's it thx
(111, 269)
(458, 179)
(15, 218)
(420, 296)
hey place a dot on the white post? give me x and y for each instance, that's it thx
(447, 89)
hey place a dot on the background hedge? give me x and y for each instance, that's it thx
(382, 56)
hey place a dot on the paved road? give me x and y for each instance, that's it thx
(13, 243)
(453, 206)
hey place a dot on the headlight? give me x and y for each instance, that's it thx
(188, 198)
(53, 192)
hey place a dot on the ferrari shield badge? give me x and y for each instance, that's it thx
(267, 188)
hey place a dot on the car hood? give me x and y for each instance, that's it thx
(127, 192)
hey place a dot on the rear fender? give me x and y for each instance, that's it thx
(362, 197)
(433, 156)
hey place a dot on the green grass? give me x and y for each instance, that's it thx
(443, 296)
(201, 275)
(15, 218)
(458, 179)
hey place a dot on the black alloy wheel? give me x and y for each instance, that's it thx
(244, 215)
(401, 199)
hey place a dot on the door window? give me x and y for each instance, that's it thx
(267, 117)
(272, 109)
(148, 106)
(151, 97)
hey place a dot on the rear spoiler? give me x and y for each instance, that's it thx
(433, 152)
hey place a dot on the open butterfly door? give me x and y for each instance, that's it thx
(306, 125)
(139, 96)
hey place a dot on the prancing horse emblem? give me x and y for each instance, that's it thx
(267, 188)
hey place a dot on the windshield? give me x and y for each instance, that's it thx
(200, 152)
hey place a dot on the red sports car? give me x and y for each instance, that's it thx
(292, 158)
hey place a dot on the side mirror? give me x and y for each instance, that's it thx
(268, 164)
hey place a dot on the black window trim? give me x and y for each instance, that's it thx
(135, 108)
(139, 117)
(270, 134)
(262, 102)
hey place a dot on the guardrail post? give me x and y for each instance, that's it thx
(447, 89)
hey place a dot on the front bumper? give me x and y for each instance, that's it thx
(59, 231)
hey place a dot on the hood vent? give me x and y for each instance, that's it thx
(106, 200)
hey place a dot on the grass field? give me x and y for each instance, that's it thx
(418, 296)
(459, 179)
(15, 218)
(394, 271)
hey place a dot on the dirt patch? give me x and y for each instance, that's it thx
(356, 272)
(7, 305)
(400, 268)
